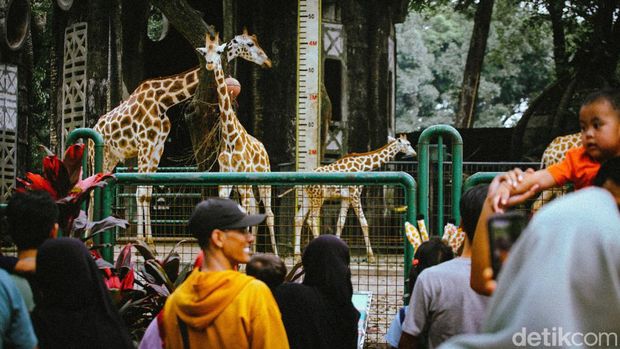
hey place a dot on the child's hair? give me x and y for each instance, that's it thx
(610, 170)
(268, 268)
(31, 217)
(612, 95)
(430, 253)
(471, 206)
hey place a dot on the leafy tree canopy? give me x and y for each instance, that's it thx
(432, 47)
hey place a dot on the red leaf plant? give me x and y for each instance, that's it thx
(62, 180)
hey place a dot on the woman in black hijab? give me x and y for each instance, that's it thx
(73, 308)
(319, 313)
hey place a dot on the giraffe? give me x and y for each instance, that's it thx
(553, 154)
(138, 126)
(239, 151)
(315, 195)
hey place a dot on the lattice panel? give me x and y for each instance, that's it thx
(333, 41)
(8, 129)
(74, 79)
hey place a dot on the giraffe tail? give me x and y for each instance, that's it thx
(286, 192)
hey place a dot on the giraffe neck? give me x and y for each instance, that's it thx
(381, 156)
(229, 120)
(174, 89)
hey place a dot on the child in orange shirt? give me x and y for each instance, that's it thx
(599, 118)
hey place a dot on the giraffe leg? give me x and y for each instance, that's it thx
(224, 191)
(357, 206)
(344, 208)
(313, 217)
(300, 217)
(149, 155)
(143, 204)
(265, 197)
(342, 217)
(223, 161)
(249, 204)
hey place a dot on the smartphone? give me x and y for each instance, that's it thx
(504, 230)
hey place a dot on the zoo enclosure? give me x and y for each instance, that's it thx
(176, 194)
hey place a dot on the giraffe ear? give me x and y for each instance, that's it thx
(221, 48)
(202, 50)
(391, 139)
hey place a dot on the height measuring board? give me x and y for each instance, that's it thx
(307, 91)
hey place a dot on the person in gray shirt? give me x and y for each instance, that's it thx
(443, 304)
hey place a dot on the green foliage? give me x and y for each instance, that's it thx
(432, 49)
(155, 25)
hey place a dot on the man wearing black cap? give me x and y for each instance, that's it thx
(218, 307)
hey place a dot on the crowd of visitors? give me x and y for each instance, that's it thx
(561, 276)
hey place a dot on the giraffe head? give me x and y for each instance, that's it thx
(212, 51)
(402, 145)
(246, 46)
(243, 45)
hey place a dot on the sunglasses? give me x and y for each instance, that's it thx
(244, 231)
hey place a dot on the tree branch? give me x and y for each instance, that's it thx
(185, 19)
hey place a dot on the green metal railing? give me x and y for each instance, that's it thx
(439, 131)
(479, 178)
(273, 178)
(88, 133)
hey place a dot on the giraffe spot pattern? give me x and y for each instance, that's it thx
(167, 101)
(151, 134)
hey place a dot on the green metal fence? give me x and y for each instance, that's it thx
(424, 156)
(388, 199)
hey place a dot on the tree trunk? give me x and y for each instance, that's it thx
(556, 8)
(594, 65)
(473, 66)
(202, 113)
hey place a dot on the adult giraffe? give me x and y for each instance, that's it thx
(239, 151)
(315, 195)
(139, 126)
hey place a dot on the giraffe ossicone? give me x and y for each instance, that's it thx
(314, 195)
(239, 151)
(138, 126)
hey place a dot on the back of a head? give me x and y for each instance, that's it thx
(74, 306)
(471, 207)
(66, 273)
(31, 217)
(326, 266)
(268, 268)
(612, 95)
(430, 253)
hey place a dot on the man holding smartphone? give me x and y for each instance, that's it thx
(443, 304)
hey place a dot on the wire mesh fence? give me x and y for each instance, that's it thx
(378, 209)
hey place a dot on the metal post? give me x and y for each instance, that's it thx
(440, 197)
(423, 170)
(88, 133)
